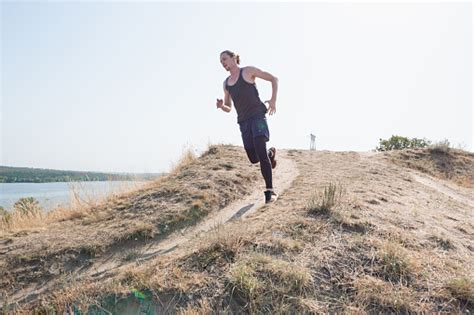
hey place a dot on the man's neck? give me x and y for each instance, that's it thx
(234, 71)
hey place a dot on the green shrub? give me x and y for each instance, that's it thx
(399, 143)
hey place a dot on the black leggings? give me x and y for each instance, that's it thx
(258, 153)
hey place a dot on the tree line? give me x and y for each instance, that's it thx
(36, 175)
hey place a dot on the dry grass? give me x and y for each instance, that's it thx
(305, 229)
(219, 247)
(129, 220)
(378, 296)
(442, 241)
(83, 202)
(440, 161)
(203, 307)
(259, 281)
(138, 230)
(17, 221)
(171, 278)
(360, 257)
(462, 289)
(244, 281)
(395, 264)
(130, 255)
(321, 203)
(440, 147)
(187, 157)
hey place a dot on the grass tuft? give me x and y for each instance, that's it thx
(378, 296)
(321, 203)
(395, 265)
(186, 159)
(261, 281)
(140, 231)
(462, 289)
(442, 242)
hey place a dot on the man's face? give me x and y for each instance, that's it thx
(227, 61)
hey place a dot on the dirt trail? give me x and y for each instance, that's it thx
(459, 194)
(283, 176)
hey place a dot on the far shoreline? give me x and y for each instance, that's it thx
(12, 175)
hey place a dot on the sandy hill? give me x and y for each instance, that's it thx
(351, 233)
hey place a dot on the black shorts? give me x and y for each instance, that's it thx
(252, 128)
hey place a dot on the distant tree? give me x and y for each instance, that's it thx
(399, 143)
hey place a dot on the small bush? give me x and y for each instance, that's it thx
(399, 143)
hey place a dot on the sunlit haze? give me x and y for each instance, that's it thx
(126, 87)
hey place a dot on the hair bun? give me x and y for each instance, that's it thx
(232, 55)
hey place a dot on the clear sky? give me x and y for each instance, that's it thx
(126, 87)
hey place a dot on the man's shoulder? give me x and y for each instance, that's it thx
(248, 74)
(248, 68)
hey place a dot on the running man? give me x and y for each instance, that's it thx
(240, 89)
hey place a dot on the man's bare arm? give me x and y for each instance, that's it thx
(257, 73)
(225, 105)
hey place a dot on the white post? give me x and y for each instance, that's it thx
(312, 146)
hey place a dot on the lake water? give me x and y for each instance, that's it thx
(51, 195)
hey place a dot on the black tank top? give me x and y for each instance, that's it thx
(245, 98)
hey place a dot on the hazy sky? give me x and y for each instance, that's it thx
(106, 86)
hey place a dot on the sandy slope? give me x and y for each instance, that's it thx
(431, 219)
(283, 177)
(110, 263)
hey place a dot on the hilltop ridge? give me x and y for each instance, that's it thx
(397, 235)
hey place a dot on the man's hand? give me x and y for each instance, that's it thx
(220, 104)
(271, 107)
